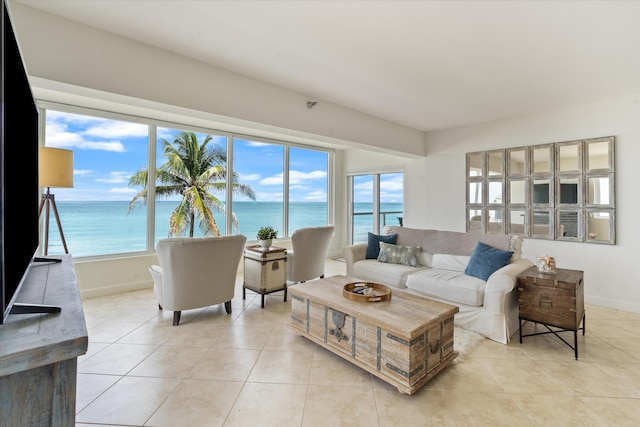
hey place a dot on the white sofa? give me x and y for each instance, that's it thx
(488, 307)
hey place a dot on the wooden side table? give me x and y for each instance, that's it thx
(265, 271)
(553, 300)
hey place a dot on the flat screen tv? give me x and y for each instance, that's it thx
(19, 192)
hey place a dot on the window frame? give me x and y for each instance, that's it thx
(153, 124)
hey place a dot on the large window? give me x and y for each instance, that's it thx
(170, 140)
(376, 200)
(252, 182)
(260, 165)
(95, 213)
(308, 188)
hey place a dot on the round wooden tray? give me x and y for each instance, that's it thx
(379, 293)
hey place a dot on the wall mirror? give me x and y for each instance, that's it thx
(558, 191)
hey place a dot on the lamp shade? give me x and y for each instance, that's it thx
(55, 167)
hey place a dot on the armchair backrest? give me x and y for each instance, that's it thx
(198, 272)
(310, 248)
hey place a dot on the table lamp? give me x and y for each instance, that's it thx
(55, 169)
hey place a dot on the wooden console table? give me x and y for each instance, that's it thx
(38, 352)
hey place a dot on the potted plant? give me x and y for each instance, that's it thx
(266, 236)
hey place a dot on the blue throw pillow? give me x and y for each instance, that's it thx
(373, 244)
(485, 260)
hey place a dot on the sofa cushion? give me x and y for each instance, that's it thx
(394, 275)
(450, 262)
(485, 260)
(454, 286)
(397, 254)
(373, 244)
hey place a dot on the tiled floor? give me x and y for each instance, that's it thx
(249, 369)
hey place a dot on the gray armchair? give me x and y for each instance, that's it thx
(196, 272)
(310, 247)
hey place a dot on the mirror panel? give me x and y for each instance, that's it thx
(599, 154)
(568, 224)
(474, 165)
(542, 191)
(517, 191)
(496, 163)
(517, 161)
(541, 159)
(599, 226)
(568, 157)
(475, 220)
(496, 194)
(599, 191)
(542, 224)
(569, 191)
(475, 193)
(495, 224)
(517, 220)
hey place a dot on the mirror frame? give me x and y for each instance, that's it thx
(543, 169)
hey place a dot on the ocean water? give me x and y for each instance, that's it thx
(101, 227)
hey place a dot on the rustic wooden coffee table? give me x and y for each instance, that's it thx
(405, 341)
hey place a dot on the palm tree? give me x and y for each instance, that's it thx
(195, 171)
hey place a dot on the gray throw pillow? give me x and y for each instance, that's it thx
(397, 254)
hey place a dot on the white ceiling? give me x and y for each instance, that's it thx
(424, 64)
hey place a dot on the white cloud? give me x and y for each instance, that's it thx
(82, 172)
(394, 185)
(117, 129)
(122, 190)
(256, 144)
(58, 135)
(295, 178)
(316, 196)
(272, 180)
(116, 146)
(269, 197)
(116, 177)
(364, 186)
(298, 177)
(249, 177)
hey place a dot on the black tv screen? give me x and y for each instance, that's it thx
(19, 192)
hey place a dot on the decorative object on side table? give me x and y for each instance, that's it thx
(546, 264)
(266, 235)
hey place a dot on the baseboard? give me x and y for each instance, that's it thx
(614, 304)
(112, 290)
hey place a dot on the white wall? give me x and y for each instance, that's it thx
(436, 196)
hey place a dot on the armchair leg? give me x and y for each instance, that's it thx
(176, 318)
(227, 307)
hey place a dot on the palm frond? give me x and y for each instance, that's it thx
(194, 170)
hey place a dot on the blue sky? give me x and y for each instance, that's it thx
(107, 152)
